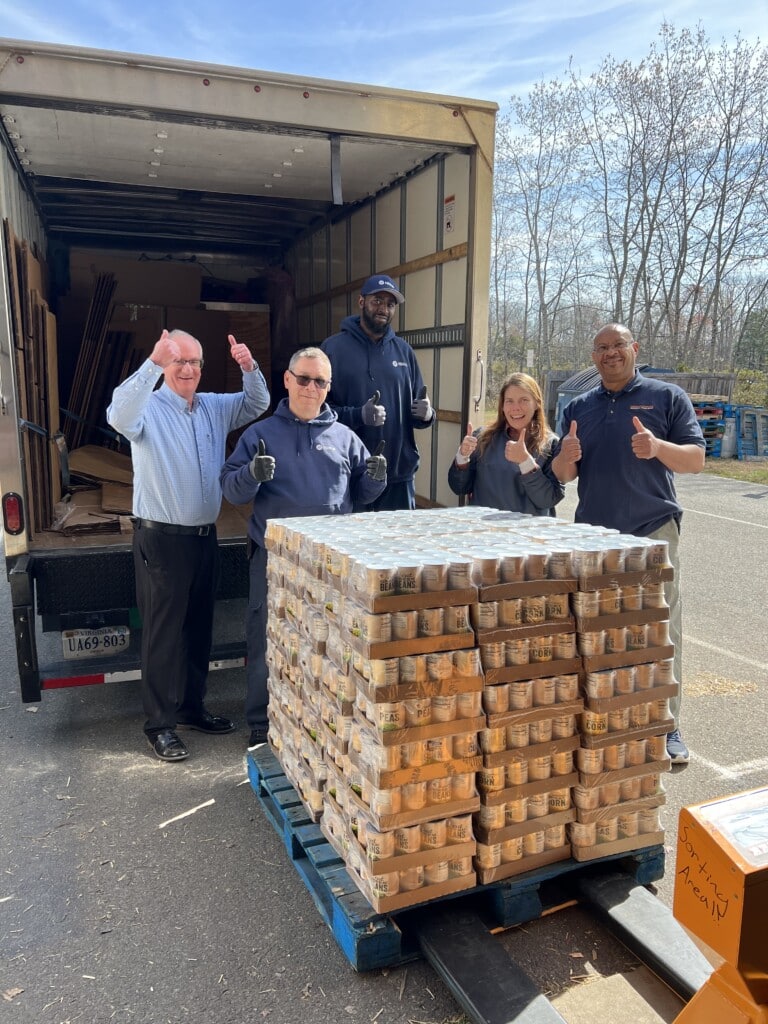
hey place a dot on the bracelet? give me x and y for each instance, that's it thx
(529, 465)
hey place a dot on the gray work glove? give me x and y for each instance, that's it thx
(376, 464)
(420, 407)
(374, 414)
(262, 466)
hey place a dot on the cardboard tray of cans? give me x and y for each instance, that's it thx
(383, 779)
(538, 713)
(641, 577)
(623, 807)
(414, 601)
(492, 798)
(547, 627)
(308, 784)
(418, 645)
(526, 863)
(604, 705)
(608, 739)
(603, 778)
(622, 659)
(527, 588)
(533, 670)
(398, 860)
(617, 619)
(341, 705)
(421, 690)
(306, 719)
(625, 845)
(532, 751)
(412, 733)
(418, 816)
(490, 836)
(385, 904)
(308, 728)
(329, 739)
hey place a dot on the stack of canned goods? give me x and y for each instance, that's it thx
(426, 666)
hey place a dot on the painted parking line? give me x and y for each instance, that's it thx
(734, 771)
(726, 519)
(752, 662)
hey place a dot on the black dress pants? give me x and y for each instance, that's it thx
(176, 579)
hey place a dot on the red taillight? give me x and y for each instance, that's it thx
(13, 513)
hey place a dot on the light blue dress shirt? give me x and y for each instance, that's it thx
(178, 450)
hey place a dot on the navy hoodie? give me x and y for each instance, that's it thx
(319, 469)
(359, 367)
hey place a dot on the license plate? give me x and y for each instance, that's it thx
(86, 643)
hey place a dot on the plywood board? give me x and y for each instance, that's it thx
(101, 464)
(11, 257)
(117, 498)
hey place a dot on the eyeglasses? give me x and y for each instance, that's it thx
(601, 350)
(303, 381)
(196, 364)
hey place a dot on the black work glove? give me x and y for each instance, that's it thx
(373, 414)
(262, 466)
(420, 407)
(376, 464)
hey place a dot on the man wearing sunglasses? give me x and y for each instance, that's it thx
(378, 389)
(178, 440)
(298, 462)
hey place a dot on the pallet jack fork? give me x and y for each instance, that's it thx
(492, 989)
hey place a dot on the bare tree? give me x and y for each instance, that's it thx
(640, 194)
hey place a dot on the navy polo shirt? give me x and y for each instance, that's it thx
(615, 488)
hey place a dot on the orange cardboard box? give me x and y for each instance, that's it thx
(721, 881)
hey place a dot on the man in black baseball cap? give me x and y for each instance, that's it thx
(378, 389)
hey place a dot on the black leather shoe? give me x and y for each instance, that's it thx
(168, 747)
(206, 722)
(259, 736)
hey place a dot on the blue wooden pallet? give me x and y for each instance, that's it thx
(371, 940)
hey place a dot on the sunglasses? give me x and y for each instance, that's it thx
(303, 381)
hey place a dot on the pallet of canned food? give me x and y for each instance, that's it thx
(438, 689)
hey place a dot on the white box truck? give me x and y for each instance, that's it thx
(138, 193)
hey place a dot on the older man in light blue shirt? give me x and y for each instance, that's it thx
(178, 440)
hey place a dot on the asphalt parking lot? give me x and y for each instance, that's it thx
(139, 891)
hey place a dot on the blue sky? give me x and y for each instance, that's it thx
(483, 49)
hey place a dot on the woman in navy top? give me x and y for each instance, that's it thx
(507, 465)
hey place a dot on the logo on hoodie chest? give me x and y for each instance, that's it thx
(396, 363)
(321, 446)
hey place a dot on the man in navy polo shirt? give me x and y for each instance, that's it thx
(625, 440)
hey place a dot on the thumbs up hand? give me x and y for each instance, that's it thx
(374, 414)
(645, 444)
(262, 466)
(376, 464)
(570, 446)
(241, 354)
(468, 444)
(165, 350)
(515, 451)
(421, 408)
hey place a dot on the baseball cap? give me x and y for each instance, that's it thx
(381, 283)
